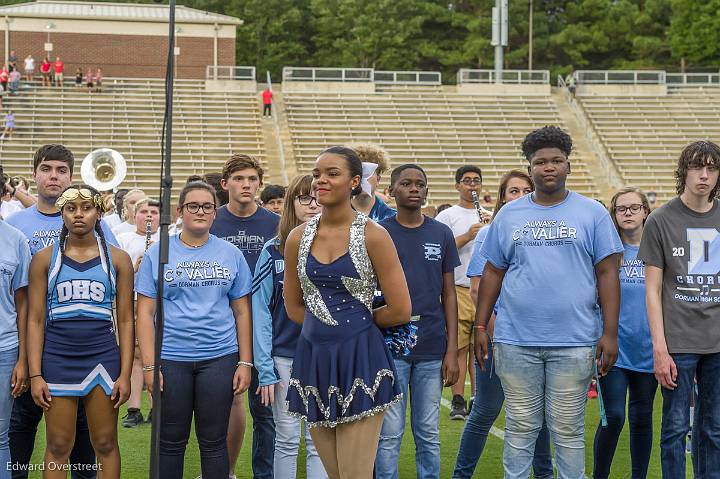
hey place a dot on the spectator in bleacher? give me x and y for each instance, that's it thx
(89, 80)
(215, 180)
(463, 220)
(59, 71)
(9, 125)
(29, 67)
(129, 201)
(12, 60)
(78, 78)
(368, 202)
(267, 97)
(97, 79)
(247, 226)
(273, 198)
(570, 83)
(14, 80)
(45, 70)
(4, 77)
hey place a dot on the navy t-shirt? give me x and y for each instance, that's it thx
(426, 253)
(248, 234)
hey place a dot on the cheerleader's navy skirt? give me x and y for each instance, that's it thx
(78, 355)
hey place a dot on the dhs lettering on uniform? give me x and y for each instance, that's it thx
(80, 289)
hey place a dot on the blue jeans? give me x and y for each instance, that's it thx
(676, 418)
(549, 383)
(489, 398)
(263, 442)
(8, 359)
(288, 429)
(424, 379)
(203, 389)
(614, 387)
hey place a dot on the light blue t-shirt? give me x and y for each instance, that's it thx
(477, 260)
(14, 267)
(199, 285)
(549, 294)
(634, 340)
(43, 230)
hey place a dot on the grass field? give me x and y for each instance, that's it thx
(135, 446)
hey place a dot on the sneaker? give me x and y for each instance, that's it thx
(459, 410)
(592, 392)
(133, 418)
(149, 417)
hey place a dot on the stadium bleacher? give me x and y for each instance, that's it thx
(127, 116)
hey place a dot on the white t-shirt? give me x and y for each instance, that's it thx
(9, 208)
(134, 244)
(459, 220)
(123, 227)
(112, 220)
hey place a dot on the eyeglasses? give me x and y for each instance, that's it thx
(193, 208)
(634, 209)
(471, 181)
(306, 200)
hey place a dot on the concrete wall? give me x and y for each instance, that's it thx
(231, 85)
(505, 89)
(621, 90)
(328, 86)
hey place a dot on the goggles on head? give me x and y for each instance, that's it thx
(71, 194)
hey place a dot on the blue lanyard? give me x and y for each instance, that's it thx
(603, 416)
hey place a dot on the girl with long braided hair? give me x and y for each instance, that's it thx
(72, 347)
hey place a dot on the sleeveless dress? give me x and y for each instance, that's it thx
(80, 349)
(342, 369)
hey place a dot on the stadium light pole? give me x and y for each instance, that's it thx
(499, 35)
(165, 219)
(530, 37)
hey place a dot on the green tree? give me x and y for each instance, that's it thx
(695, 31)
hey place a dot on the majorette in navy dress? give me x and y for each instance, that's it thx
(342, 370)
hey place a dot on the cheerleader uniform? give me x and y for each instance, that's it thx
(80, 350)
(342, 369)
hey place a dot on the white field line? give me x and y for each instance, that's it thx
(499, 433)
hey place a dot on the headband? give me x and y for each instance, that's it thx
(71, 194)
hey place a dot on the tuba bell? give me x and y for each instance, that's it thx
(103, 169)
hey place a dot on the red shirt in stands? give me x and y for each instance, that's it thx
(45, 67)
(59, 66)
(267, 97)
(4, 75)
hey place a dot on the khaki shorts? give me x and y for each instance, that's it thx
(466, 316)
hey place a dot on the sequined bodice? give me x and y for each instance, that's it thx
(342, 288)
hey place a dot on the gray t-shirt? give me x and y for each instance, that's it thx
(685, 244)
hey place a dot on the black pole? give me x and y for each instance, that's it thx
(165, 220)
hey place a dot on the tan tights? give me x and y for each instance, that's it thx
(348, 450)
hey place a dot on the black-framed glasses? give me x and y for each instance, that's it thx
(471, 181)
(634, 209)
(306, 200)
(193, 208)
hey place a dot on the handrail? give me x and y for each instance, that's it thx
(407, 77)
(278, 137)
(612, 77)
(466, 75)
(228, 72)
(327, 74)
(593, 138)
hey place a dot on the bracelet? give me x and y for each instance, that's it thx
(35, 376)
(244, 363)
(150, 367)
(480, 327)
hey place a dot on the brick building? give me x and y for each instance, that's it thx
(125, 40)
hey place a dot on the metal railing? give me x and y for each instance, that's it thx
(221, 72)
(614, 77)
(278, 136)
(693, 79)
(592, 136)
(407, 78)
(327, 74)
(535, 77)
